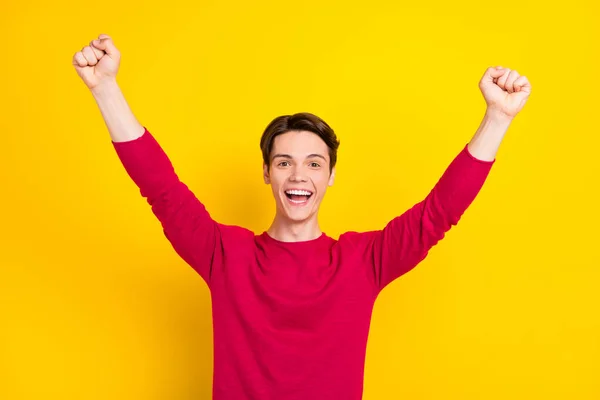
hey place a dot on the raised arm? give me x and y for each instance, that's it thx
(185, 221)
(407, 239)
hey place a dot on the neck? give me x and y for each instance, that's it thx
(286, 230)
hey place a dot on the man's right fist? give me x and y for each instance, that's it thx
(97, 63)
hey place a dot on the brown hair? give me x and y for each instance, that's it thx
(299, 122)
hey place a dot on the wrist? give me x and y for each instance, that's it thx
(497, 117)
(104, 88)
(485, 143)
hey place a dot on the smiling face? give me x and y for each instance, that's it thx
(299, 174)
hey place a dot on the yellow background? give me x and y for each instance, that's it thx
(94, 303)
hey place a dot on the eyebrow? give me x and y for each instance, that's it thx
(290, 157)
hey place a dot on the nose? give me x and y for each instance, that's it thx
(297, 176)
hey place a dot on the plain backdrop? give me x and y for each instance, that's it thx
(94, 303)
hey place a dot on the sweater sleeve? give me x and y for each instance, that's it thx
(185, 221)
(406, 240)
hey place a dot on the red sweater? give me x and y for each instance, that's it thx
(291, 320)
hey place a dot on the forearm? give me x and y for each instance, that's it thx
(487, 139)
(120, 120)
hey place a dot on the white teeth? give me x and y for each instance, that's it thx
(299, 192)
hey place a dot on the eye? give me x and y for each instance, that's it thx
(314, 164)
(283, 164)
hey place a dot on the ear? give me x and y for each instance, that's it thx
(331, 177)
(266, 174)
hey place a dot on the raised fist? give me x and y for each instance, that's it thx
(505, 91)
(98, 62)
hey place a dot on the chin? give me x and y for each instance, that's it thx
(298, 218)
(297, 214)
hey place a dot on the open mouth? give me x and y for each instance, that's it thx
(296, 196)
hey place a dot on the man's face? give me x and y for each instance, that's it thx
(299, 174)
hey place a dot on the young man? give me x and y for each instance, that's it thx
(292, 306)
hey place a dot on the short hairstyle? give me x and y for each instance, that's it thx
(299, 122)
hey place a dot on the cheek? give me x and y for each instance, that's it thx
(321, 182)
(276, 182)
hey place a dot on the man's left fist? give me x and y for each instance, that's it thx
(505, 91)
